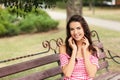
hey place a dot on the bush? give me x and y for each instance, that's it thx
(45, 24)
(27, 25)
(11, 29)
(39, 23)
(3, 30)
(6, 16)
(35, 21)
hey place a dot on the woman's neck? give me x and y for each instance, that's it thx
(79, 43)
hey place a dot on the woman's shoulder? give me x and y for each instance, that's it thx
(62, 49)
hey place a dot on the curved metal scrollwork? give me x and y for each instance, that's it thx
(59, 42)
(95, 34)
(46, 44)
(53, 44)
(114, 58)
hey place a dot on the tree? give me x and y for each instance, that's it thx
(73, 7)
(19, 6)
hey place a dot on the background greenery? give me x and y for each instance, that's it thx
(11, 25)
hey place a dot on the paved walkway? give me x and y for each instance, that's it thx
(94, 21)
(104, 23)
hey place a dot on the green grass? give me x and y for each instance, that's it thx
(11, 47)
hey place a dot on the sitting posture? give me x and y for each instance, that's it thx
(78, 57)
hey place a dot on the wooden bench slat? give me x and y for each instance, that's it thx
(102, 55)
(107, 76)
(103, 65)
(99, 44)
(28, 65)
(42, 75)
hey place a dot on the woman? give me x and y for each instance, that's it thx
(78, 57)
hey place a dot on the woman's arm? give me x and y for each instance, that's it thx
(90, 67)
(68, 68)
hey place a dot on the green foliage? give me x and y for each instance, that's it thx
(61, 4)
(27, 25)
(45, 23)
(40, 12)
(11, 29)
(7, 26)
(35, 21)
(2, 30)
(39, 23)
(16, 6)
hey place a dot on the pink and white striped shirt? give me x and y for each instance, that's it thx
(79, 71)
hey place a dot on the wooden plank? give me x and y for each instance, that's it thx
(109, 76)
(103, 65)
(42, 75)
(115, 77)
(102, 55)
(99, 45)
(28, 65)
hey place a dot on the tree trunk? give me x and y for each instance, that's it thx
(73, 7)
(90, 4)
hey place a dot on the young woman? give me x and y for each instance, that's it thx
(78, 57)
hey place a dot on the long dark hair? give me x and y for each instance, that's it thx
(87, 33)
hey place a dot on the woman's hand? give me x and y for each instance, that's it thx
(85, 43)
(72, 43)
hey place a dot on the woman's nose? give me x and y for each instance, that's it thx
(75, 31)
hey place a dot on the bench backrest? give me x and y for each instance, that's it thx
(103, 63)
(32, 64)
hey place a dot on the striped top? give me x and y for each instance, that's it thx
(79, 71)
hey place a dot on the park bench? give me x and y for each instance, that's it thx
(54, 57)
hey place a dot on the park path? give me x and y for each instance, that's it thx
(114, 25)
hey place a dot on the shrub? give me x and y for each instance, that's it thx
(39, 23)
(3, 30)
(27, 25)
(11, 29)
(44, 24)
(31, 23)
(6, 16)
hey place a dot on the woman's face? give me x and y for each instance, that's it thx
(76, 30)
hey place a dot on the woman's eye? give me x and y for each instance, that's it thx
(71, 29)
(78, 28)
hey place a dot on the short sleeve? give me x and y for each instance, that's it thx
(94, 60)
(63, 59)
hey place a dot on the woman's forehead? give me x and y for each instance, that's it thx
(75, 24)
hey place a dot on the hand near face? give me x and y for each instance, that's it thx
(72, 43)
(85, 43)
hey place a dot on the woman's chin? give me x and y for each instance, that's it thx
(78, 39)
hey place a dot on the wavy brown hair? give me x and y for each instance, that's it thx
(87, 34)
